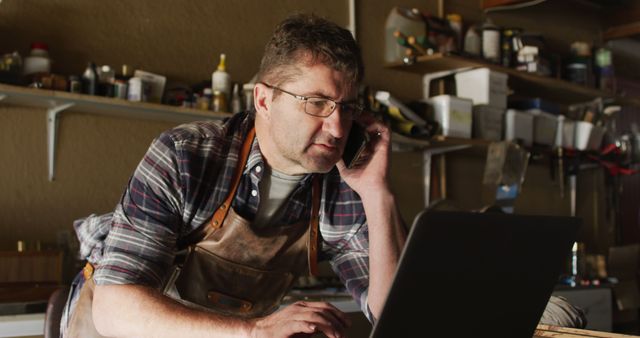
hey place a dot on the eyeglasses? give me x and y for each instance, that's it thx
(323, 107)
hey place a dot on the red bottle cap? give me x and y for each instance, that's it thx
(39, 45)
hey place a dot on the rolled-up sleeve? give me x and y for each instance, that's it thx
(351, 264)
(140, 247)
(345, 235)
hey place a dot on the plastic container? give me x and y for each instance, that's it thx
(518, 127)
(38, 60)
(473, 41)
(483, 86)
(595, 139)
(454, 115)
(588, 136)
(137, 90)
(547, 128)
(405, 21)
(525, 103)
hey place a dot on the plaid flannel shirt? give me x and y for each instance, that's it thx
(185, 174)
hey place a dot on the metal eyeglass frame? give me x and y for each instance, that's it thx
(353, 107)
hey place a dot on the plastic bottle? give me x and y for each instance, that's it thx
(472, 42)
(125, 74)
(579, 68)
(121, 83)
(455, 21)
(219, 102)
(247, 90)
(237, 101)
(90, 79)
(220, 79)
(491, 42)
(106, 78)
(507, 47)
(605, 75)
(204, 101)
(38, 60)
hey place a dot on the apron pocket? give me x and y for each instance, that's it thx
(230, 288)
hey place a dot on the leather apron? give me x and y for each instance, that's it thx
(233, 269)
(236, 269)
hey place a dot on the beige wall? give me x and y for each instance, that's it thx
(182, 40)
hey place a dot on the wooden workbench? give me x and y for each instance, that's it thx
(563, 332)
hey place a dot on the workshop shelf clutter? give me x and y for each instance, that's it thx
(516, 97)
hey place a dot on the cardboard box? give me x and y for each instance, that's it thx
(488, 122)
(483, 86)
(155, 82)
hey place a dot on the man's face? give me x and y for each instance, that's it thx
(304, 143)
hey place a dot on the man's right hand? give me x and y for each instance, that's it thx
(304, 318)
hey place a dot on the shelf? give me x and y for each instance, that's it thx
(57, 102)
(629, 30)
(436, 145)
(45, 98)
(557, 90)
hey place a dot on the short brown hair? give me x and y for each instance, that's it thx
(303, 35)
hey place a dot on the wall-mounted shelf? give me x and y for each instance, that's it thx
(628, 30)
(56, 102)
(436, 145)
(554, 89)
(44, 98)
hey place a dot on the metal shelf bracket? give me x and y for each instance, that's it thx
(52, 131)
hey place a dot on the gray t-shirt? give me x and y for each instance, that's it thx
(275, 187)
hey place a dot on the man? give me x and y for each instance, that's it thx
(249, 209)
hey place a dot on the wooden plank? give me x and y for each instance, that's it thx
(565, 332)
(31, 267)
(26, 292)
(622, 14)
(494, 3)
(622, 31)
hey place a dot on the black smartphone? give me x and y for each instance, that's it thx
(356, 144)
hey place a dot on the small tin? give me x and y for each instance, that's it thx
(136, 90)
(120, 88)
(75, 85)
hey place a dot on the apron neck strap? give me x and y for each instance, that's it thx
(223, 209)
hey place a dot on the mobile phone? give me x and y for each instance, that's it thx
(356, 144)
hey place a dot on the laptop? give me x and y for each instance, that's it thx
(465, 274)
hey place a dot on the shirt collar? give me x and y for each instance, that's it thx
(256, 161)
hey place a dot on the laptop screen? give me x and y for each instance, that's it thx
(462, 274)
